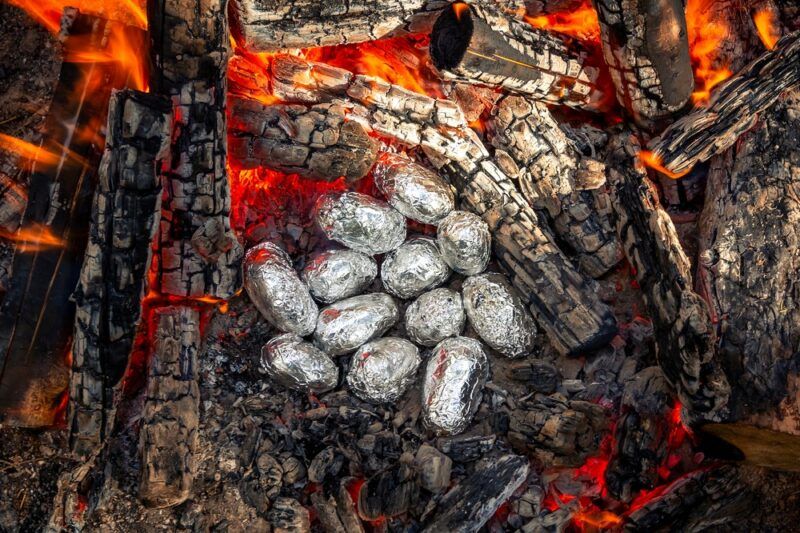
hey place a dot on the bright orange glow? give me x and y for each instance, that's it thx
(33, 238)
(767, 28)
(581, 22)
(653, 161)
(27, 150)
(706, 36)
(48, 12)
(119, 49)
(597, 518)
(459, 8)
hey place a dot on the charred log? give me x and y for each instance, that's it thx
(478, 43)
(388, 493)
(685, 337)
(36, 318)
(198, 254)
(124, 219)
(13, 198)
(316, 142)
(750, 257)
(733, 109)
(549, 170)
(170, 416)
(646, 48)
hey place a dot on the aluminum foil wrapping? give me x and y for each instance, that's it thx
(297, 364)
(434, 316)
(465, 242)
(360, 222)
(344, 326)
(498, 315)
(382, 370)
(413, 268)
(337, 274)
(276, 290)
(451, 389)
(417, 192)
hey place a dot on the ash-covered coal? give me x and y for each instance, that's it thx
(382, 370)
(414, 267)
(337, 274)
(360, 222)
(297, 364)
(434, 316)
(465, 242)
(345, 325)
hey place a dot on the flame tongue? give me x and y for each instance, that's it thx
(767, 28)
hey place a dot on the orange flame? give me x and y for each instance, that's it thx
(653, 160)
(33, 238)
(581, 22)
(705, 38)
(459, 8)
(27, 150)
(767, 28)
(597, 518)
(119, 49)
(48, 12)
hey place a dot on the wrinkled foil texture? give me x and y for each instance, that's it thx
(299, 365)
(434, 316)
(337, 274)
(344, 326)
(453, 384)
(382, 370)
(414, 267)
(360, 222)
(415, 191)
(498, 315)
(465, 242)
(276, 290)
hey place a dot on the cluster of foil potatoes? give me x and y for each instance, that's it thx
(412, 271)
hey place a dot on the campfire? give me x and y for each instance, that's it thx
(402, 265)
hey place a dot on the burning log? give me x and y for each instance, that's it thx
(478, 43)
(646, 48)
(685, 338)
(170, 416)
(732, 110)
(125, 213)
(546, 7)
(532, 149)
(198, 253)
(316, 142)
(36, 319)
(750, 256)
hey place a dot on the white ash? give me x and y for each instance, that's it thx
(434, 316)
(360, 222)
(455, 375)
(381, 371)
(276, 290)
(498, 315)
(414, 267)
(299, 365)
(337, 274)
(465, 242)
(415, 191)
(345, 325)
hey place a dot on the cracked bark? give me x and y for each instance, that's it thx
(113, 278)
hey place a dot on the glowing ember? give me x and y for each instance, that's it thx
(705, 38)
(653, 161)
(767, 27)
(33, 238)
(581, 22)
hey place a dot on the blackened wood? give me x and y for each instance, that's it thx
(170, 416)
(646, 48)
(288, 515)
(326, 513)
(346, 507)
(480, 43)
(198, 254)
(471, 503)
(124, 218)
(388, 493)
(13, 199)
(749, 260)
(315, 142)
(534, 151)
(684, 335)
(36, 318)
(733, 109)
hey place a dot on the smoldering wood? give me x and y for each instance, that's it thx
(124, 219)
(683, 331)
(346, 507)
(535, 8)
(481, 44)
(533, 150)
(471, 503)
(316, 142)
(749, 259)
(732, 110)
(198, 253)
(557, 431)
(646, 48)
(13, 199)
(388, 493)
(288, 514)
(36, 318)
(170, 416)
(464, 448)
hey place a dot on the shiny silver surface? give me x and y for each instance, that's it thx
(414, 267)
(276, 290)
(465, 242)
(337, 274)
(382, 370)
(299, 365)
(345, 325)
(434, 316)
(360, 222)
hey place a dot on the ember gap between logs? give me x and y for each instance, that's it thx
(523, 265)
